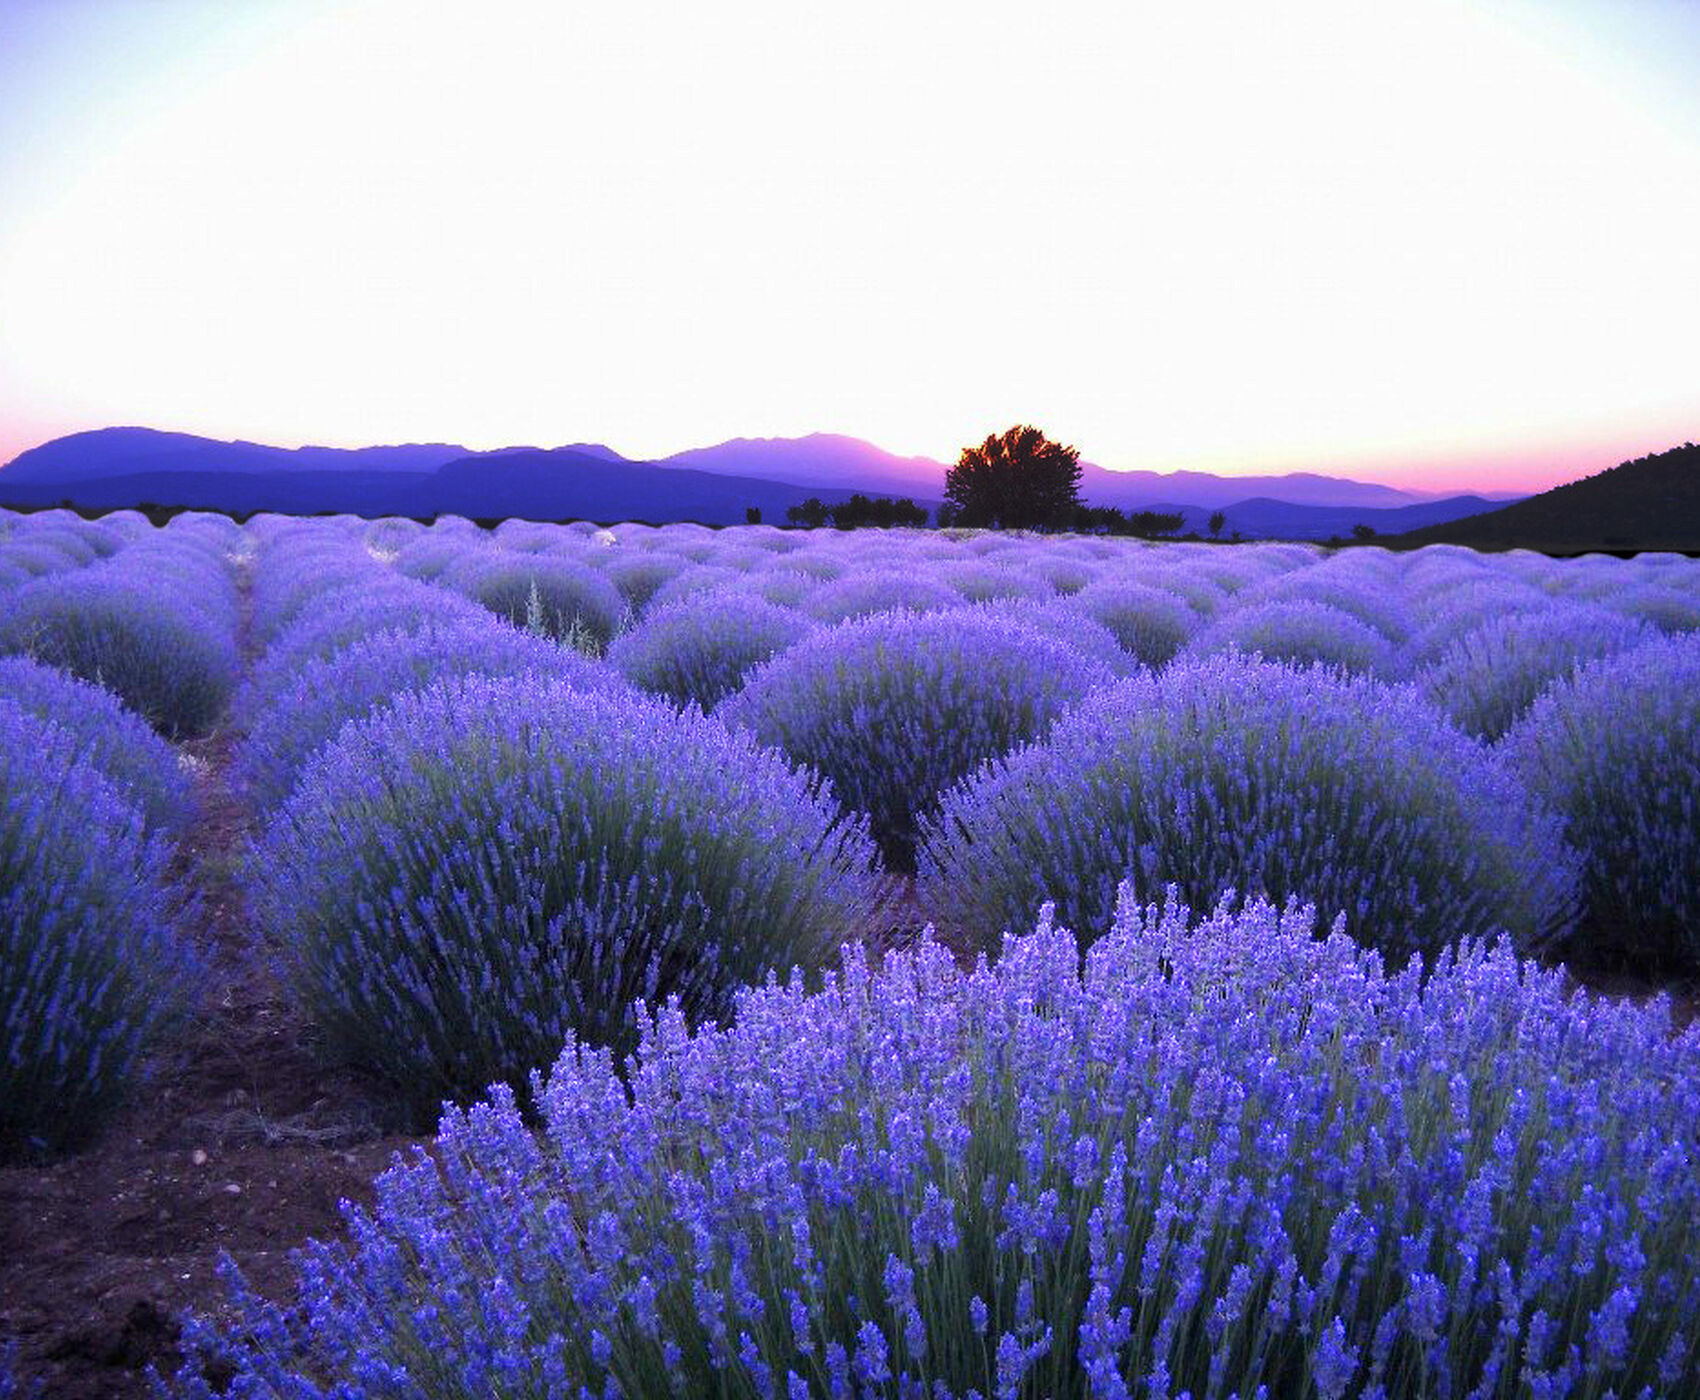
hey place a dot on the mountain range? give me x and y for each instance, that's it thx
(111, 468)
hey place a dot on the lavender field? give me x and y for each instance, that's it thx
(889, 963)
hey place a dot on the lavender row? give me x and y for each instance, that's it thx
(1217, 1158)
(91, 967)
(154, 622)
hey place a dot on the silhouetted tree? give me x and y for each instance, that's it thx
(1148, 524)
(1363, 534)
(881, 510)
(1217, 521)
(812, 512)
(752, 515)
(1014, 480)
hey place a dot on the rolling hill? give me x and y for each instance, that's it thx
(1652, 502)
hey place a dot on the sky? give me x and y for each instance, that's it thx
(1436, 244)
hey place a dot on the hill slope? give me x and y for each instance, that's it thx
(108, 452)
(1652, 502)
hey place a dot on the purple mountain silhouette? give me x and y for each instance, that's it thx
(591, 479)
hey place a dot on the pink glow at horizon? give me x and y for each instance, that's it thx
(1445, 245)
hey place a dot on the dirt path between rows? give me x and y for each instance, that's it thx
(239, 1141)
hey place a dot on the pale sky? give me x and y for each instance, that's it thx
(1430, 243)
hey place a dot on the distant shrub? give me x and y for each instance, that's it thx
(1301, 634)
(1149, 623)
(895, 707)
(431, 555)
(1066, 574)
(146, 640)
(116, 743)
(386, 538)
(1191, 586)
(1061, 620)
(1671, 610)
(323, 693)
(1616, 751)
(66, 542)
(698, 651)
(1225, 1159)
(1365, 591)
(695, 582)
(780, 586)
(340, 618)
(817, 561)
(460, 880)
(294, 577)
(565, 597)
(1229, 773)
(862, 594)
(637, 576)
(89, 967)
(1488, 678)
(26, 558)
(1440, 618)
(981, 582)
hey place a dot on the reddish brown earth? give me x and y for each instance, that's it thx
(240, 1141)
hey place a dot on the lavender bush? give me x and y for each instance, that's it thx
(1229, 772)
(1150, 624)
(637, 576)
(895, 707)
(1301, 633)
(1490, 676)
(170, 656)
(1616, 751)
(338, 618)
(1219, 1160)
(698, 651)
(90, 969)
(322, 694)
(562, 596)
(1361, 589)
(864, 593)
(461, 879)
(694, 582)
(118, 744)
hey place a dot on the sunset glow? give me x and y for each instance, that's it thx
(1438, 245)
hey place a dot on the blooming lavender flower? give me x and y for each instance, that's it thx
(1276, 1124)
(1301, 633)
(639, 575)
(89, 966)
(336, 618)
(867, 591)
(1357, 583)
(116, 743)
(458, 881)
(1616, 751)
(698, 650)
(1233, 773)
(569, 596)
(895, 707)
(1150, 623)
(1489, 677)
(155, 624)
(309, 705)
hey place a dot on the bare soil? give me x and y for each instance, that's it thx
(239, 1141)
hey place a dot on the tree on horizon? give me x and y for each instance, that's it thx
(1017, 479)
